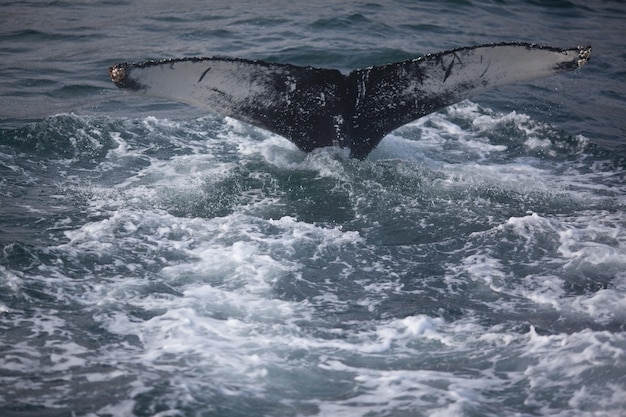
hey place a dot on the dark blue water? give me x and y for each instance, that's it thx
(156, 260)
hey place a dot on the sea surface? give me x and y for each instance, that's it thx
(156, 260)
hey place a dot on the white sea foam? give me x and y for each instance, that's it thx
(581, 250)
(439, 295)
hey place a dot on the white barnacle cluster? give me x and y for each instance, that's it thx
(339, 140)
(117, 73)
(583, 55)
(322, 99)
(291, 85)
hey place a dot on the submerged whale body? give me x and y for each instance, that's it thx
(315, 107)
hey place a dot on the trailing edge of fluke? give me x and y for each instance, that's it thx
(316, 107)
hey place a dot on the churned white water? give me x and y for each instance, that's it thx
(156, 261)
(226, 271)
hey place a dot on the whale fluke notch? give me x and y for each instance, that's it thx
(316, 107)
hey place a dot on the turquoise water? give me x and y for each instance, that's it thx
(157, 260)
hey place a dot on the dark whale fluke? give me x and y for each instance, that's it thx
(315, 107)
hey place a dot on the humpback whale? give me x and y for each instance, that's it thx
(317, 107)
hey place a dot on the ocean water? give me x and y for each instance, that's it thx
(160, 261)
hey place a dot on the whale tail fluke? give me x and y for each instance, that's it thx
(315, 107)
